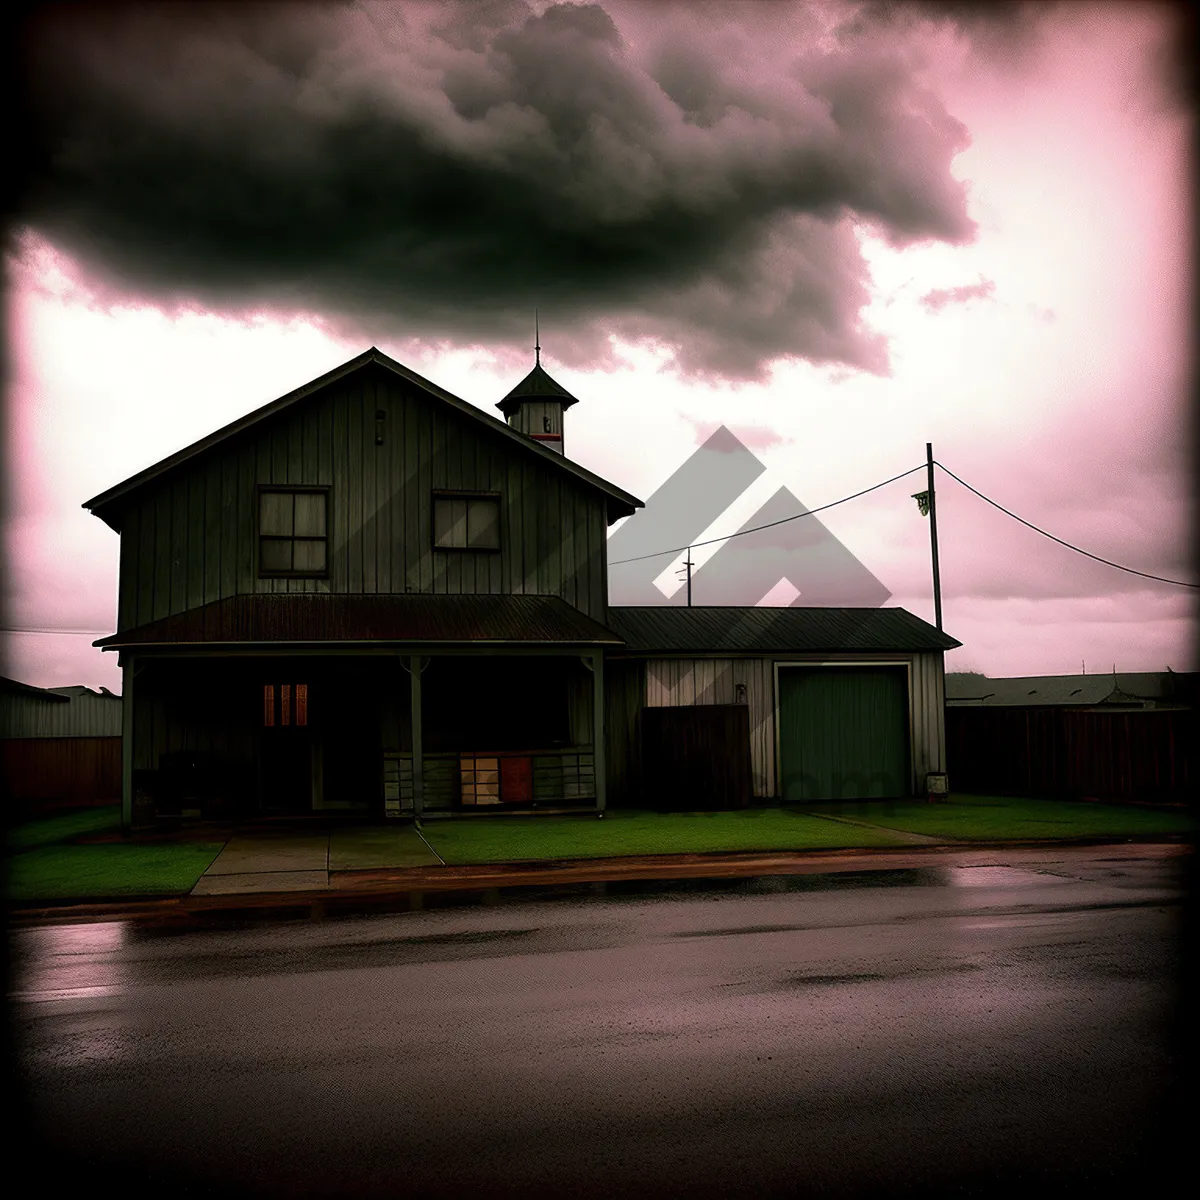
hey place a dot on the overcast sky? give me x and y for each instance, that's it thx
(840, 230)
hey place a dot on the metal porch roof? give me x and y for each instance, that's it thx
(315, 618)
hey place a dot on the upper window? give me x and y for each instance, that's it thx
(463, 521)
(292, 532)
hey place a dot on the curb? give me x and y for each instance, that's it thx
(392, 886)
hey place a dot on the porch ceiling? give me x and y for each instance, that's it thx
(308, 619)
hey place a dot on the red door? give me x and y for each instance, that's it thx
(516, 780)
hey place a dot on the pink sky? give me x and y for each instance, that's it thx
(1047, 357)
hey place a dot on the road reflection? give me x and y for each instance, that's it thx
(70, 962)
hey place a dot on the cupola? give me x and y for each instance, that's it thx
(536, 405)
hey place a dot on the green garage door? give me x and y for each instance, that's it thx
(843, 733)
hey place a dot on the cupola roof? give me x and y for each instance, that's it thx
(537, 385)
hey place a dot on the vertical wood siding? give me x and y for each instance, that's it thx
(192, 539)
(929, 717)
(530, 417)
(624, 697)
(684, 681)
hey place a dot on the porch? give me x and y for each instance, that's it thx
(244, 737)
(364, 705)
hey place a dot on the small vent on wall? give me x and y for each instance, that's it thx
(380, 417)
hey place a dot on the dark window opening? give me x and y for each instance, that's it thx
(463, 522)
(293, 533)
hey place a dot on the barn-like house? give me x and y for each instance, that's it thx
(371, 597)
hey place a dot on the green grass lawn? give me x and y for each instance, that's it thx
(622, 831)
(81, 823)
(45, 863)
(1013, 818)
(52, 858)
(66, 872)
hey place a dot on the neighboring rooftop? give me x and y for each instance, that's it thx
(61, 695)
(74, 711)
(1130, 688)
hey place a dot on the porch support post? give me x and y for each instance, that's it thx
(598, 730)
(126, 741)
(418, 758)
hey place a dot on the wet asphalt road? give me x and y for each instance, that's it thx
(913, 1031)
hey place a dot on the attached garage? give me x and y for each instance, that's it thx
(843, 731)
(840, 704)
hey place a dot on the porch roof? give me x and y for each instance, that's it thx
(313, 619)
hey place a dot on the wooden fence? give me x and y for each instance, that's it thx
(1148, 755)
(696, 756)
(47, 772)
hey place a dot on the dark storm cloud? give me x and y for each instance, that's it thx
(998, 28)
(938, 298)
(692, 175)
(1009, 33)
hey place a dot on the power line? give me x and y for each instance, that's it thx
(769, 524)
(74, 632)
(1085, 553)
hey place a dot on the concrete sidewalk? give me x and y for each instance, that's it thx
(260, 861)
(307, 862)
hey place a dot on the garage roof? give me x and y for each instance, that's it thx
(704, 630)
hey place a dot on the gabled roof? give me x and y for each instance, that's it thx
(314, 618)
(620, 502)
(537, 385)
(667, 628)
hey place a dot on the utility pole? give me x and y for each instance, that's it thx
(687, 566)
(937, 574)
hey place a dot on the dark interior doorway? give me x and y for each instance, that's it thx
(696, 757)
(285, 748)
